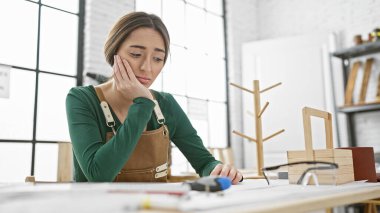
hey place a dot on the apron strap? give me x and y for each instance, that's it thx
(100, 94)
(157, 111)
(108, 115)
(106, 109)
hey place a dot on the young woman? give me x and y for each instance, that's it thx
(121, 130)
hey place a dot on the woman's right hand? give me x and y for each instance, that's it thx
(126, 81)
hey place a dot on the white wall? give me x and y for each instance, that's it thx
(242, 26)
(286, 18)
(282, 18)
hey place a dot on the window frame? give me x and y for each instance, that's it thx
(37, 71)
(225, 58)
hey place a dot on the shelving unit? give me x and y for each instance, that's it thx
(359, 50)
(346, 55)
(360, 108)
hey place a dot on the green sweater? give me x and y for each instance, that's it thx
(95, 160)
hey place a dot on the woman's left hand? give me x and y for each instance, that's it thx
(226, 170)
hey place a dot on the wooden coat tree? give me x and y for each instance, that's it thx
(257, 115)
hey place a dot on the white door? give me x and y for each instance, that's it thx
(301, 64)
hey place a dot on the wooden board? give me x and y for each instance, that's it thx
(65, 162)
(367, 74)
(340, 179)
(378, 89)
(339, 161)
(351, 83)
(321, 153)
(299, 169)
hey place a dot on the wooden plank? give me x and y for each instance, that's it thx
(316, 113)
(324, 153)
(329, 132)
(367, 74)
(378, 89)
(299, 169)
(307, 133)
(65, 162)
(296, 154)
(339, 161)
(321, 153)
(343, 153)
(348, 100)
(325, 179)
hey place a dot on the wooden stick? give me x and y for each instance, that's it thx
(262, 111)
(240, 87)
(329, 132)
(259, 130)
(367, 73)
(271, 87)
(244, 136)
(274, 134)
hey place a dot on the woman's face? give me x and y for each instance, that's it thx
(144, 49)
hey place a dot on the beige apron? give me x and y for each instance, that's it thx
(149, 160)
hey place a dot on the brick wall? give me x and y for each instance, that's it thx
(100, 15)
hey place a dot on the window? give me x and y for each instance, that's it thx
(41, 42)
(195, 72)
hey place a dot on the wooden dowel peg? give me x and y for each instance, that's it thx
(242, 88)
(262, 111)
(244, 136)
(274, 134)
(271, 87)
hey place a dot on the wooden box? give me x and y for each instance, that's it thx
(345, 172)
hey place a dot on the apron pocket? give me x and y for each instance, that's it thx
(137, 175)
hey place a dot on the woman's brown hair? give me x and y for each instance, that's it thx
(126, 25)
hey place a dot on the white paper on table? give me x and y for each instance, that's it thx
(4, 80)
(255, 194)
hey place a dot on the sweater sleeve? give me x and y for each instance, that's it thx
(101, 162)
(189, 143)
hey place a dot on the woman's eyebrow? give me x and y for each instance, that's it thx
(143, 48)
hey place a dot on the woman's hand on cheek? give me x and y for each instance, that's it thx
(126, 82)
(226, 170)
